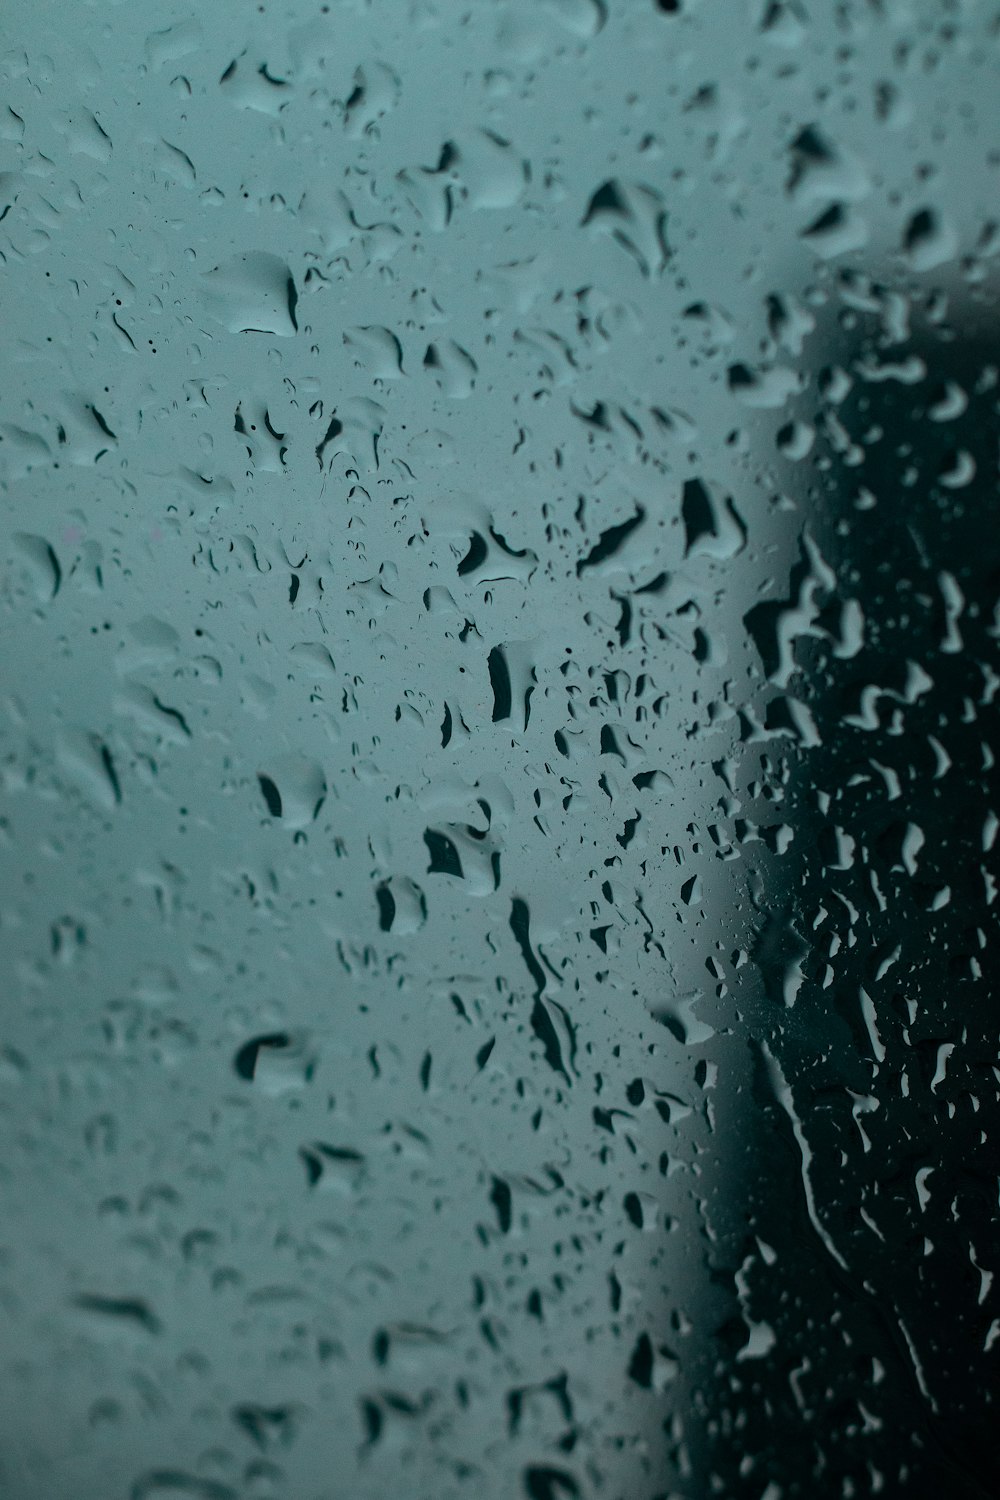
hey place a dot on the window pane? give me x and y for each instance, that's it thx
(499, 581)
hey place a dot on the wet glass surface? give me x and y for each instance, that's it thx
(499, 586)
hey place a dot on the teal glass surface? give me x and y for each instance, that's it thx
(498, 803)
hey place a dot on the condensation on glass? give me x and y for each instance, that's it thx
(500, 604)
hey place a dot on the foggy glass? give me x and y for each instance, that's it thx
(499, 587)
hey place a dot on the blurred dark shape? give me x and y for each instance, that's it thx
(863, 1223)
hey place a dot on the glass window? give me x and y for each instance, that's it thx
(499, 583)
